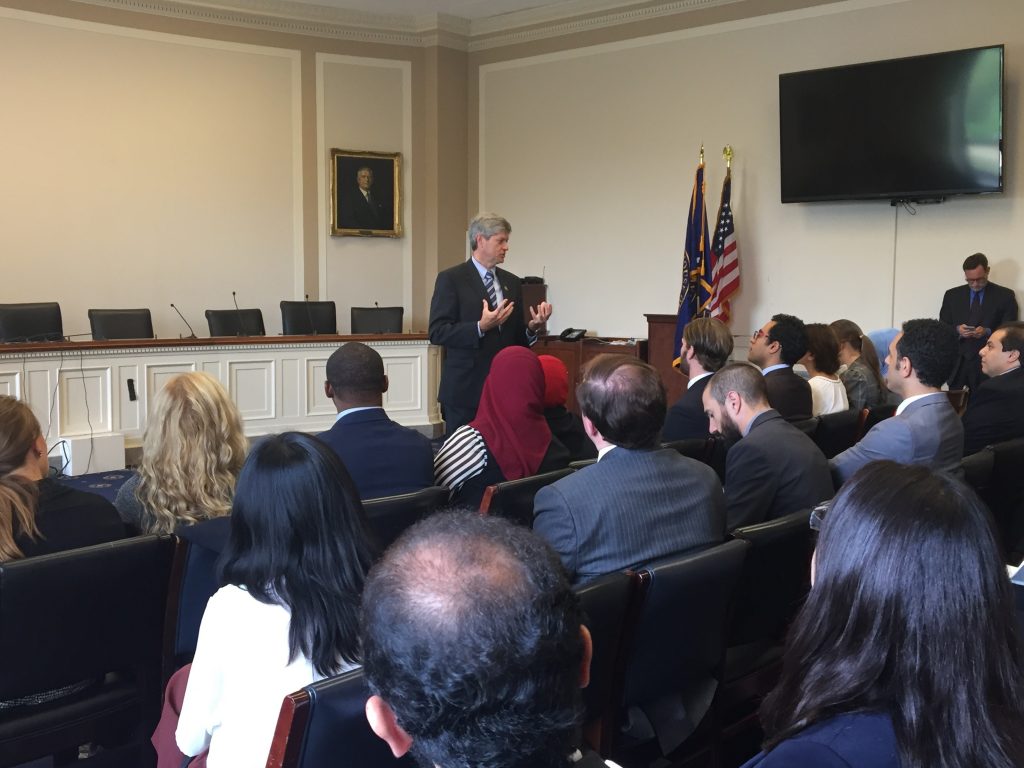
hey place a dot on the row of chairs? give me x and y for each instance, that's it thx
(683, 650)
(42, 321)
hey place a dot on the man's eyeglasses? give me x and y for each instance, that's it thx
(758, 334)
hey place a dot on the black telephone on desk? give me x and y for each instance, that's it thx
(572, 334)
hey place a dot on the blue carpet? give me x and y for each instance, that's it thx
(105, 484)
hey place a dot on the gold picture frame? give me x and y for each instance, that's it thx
(366, 193)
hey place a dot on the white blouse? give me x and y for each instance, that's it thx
(239, 677)
(827, 396)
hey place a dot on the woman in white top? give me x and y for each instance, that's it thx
(822, 363)
(287, 616)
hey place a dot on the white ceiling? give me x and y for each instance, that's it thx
(467, 9)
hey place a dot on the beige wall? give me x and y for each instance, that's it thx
(129, 176)
(591, 154)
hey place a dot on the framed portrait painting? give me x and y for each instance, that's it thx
(366, 197)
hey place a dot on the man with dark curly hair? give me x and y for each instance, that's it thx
(474, 648)
(925, 429)
(775, 348)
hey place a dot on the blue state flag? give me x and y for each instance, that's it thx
(697, 291)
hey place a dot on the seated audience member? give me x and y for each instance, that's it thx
(862, 377)
(38, 515)
(288, 614)
(474, 648)
(925, 429)
(828, 394)
(383, 458)
(995, 412)
(639, 502)
(881, 339)
(509, 438)
(772, 467)
(192, 452)
(565, 425)
(705, 348)
(774, 349)
(904, 653)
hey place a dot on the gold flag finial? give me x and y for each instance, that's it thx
(702, 153)
(727, 154)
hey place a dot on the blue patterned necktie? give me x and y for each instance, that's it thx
(492, 297)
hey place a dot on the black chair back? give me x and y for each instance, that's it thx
(305, 318)
(1005, 497)
(693, 448)
(235, 322)
(389, 516)
(775, 579)
(120, 324)
(81, 615)
(678, 640)
(836, 432)
(871, 416)
(581, 463)
(607, 602)
(31, 322)
(978, 468)
(377, 319)
(193, 582)
(513, 499)
(324, 724)
(807, 426)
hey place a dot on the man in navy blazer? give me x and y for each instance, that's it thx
(975, 310)
(383, 458)
(772, 468)
(995, 412)
(639, 502)
(704, 349)
(925, 429)
(475, 312)
(775, 348)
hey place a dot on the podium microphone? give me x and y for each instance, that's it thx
(192, 334)
(309, 317)
(238, 314)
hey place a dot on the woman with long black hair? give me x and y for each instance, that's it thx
(905, 653)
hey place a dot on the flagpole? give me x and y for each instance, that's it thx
(727, 155)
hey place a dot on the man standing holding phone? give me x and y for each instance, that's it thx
(975, 310)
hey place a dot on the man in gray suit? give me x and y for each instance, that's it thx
(772, 468)
(639, 502)
(925, 429)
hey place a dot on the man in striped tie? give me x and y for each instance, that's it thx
(475, 312)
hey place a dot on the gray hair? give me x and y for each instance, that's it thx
(488, 225)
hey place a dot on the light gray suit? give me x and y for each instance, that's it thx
(927, 432)
(628, 509)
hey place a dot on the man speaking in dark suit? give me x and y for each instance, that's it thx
(995, 412)
(705, 348)
(383, 458)
(975, 309)
(475, 313)
(772, 468)
(639, 502)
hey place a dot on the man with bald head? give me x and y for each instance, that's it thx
(639, 502)
(474, 647)
(383, 457)
(772, 468)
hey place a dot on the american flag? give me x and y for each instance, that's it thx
(725, 276)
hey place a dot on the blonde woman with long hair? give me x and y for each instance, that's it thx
(191, 456)
(38, 515)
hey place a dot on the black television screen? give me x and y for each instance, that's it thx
(905, 129)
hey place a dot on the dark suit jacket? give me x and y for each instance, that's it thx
(454, 312)
(628, 509)
(384, 458)
(995, 412)
(774, 470)
(686, 418)
(69, 519)
(860, 739)
(789, 394)
(1000, 306)
(360, 214)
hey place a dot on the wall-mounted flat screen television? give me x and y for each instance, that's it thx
(920, 128)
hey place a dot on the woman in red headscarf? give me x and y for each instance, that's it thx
(509, 438)
(564, 424)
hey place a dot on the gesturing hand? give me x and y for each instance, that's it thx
(492, 318)
(538, 316)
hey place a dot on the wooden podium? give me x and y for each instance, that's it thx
(576, 353)
(661, 331)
